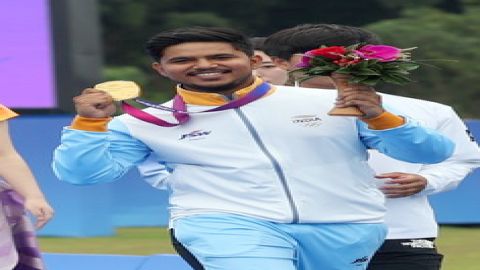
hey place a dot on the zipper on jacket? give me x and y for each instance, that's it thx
(275, 163)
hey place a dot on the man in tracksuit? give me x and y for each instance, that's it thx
(262, 177)
(412, 229)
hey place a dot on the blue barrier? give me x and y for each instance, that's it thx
(84, 211)
(97, 210)
(63, 261)
(165, 261)
(80, 211)
(137, 203)
(58, 261)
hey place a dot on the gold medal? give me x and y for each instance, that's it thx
(120, 90)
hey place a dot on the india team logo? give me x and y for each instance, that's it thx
(307, 120)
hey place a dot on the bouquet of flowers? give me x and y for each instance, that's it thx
(359, 64)
(366, 64)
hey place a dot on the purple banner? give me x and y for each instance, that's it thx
(27, 77)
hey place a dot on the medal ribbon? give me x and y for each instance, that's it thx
(179, 109)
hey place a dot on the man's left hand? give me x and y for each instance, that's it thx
(401, 184)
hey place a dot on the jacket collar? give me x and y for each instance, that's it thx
(214, 99)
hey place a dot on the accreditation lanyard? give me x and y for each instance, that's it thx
(179, 110)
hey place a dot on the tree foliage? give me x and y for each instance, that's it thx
(449, 45)
(442, 29)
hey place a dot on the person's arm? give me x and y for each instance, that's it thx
(408, 142)
(395, 136)
(95, 148)
(17, 174)
(442, 176)
(466, 157)
(154, 172)
(88, 157)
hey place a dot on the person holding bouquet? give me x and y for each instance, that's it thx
(410, 219)
(18, 191)
(255, 167)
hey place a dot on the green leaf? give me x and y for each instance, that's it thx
(358, 79)
(371, 81)
(395, 79)
(367, 71)
(363, 64)
(343, 70)
(389, 79)
(398, 72)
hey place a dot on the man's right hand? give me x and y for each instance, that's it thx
(93, 103)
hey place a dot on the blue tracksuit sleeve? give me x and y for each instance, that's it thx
(409, 142)
(86, 157)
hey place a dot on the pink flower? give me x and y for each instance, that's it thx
(382, 53)
(305, 61)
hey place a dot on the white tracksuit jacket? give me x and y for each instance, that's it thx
(412, 216)
(279, 158)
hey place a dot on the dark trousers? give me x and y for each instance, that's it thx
(184, 253)
(407, 254)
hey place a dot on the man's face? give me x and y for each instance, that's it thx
(269, 71)
(206, 66)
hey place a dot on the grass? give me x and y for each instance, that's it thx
(460, 245)
(132, 241)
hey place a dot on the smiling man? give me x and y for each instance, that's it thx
(219, 67)
(252, 187)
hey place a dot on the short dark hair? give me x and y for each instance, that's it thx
(257, 43)
(157, 44)
(306, 37)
